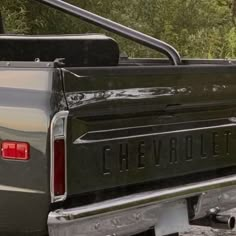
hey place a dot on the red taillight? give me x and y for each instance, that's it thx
(59, 167)
(15, 150)
(58, 181)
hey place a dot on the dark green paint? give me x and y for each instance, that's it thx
(28, 99)
(109, 108)
(145, 101)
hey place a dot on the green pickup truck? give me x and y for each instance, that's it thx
(98, 144)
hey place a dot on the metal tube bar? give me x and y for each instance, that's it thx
(117, 28)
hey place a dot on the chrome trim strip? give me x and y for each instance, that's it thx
(8, 188)
(52, 37)
(62, 115)
(81, 139)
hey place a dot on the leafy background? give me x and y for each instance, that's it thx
(197, 28)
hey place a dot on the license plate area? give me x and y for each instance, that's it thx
(116, 158)
(174, 219)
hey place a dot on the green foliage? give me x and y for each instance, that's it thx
(197, 28)
(14, 14)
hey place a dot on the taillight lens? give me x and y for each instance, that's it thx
(58, 181)
(59, 167)
(15, 150)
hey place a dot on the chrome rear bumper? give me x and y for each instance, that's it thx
(136, 213)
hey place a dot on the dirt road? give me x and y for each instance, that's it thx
(203, 231)
(199, 231)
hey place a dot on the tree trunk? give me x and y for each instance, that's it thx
(1, 24)
(234, 8)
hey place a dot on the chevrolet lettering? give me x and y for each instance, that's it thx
(152, 151)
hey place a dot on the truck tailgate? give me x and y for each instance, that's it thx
(136, 125)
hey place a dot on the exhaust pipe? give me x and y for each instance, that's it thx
(226, 222)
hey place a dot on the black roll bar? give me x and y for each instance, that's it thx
(117, 28)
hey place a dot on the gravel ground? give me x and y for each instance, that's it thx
(203, 231)
(200, 231)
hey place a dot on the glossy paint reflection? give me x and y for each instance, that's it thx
(28, 99)
(84, 98)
